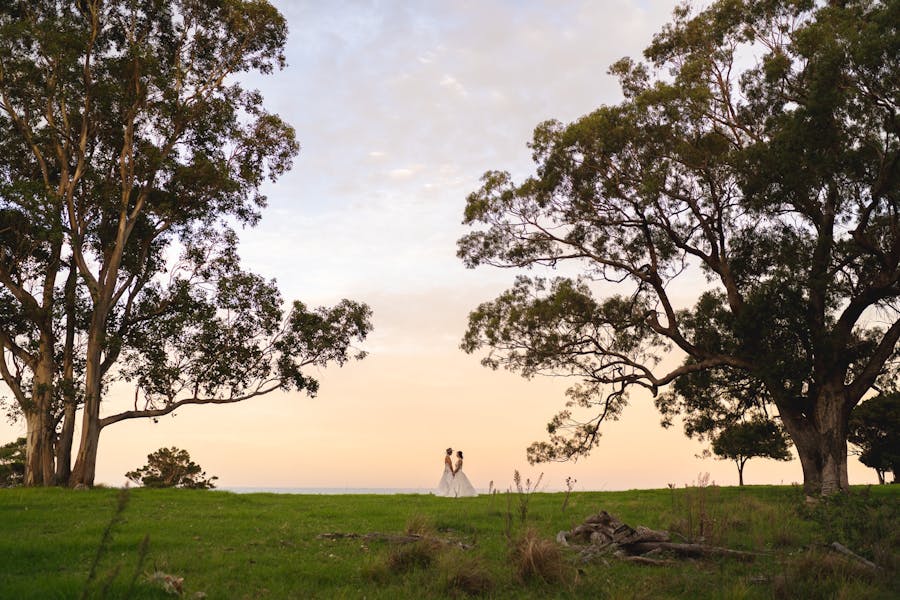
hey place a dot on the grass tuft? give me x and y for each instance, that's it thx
(820, 574)
(408, 557)
(464, 574)
(538, 558)
(419, 524)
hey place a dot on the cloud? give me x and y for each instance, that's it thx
(451, 83)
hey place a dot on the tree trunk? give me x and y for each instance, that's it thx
(38, 450)
(821, 442)
(70, 398)
(86, 461)
(64, 442)
(39, 459)
(740, 466)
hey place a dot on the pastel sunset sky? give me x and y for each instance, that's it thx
(400, 107)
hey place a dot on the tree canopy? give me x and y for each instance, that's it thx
(12, 463)
(875, 431)
(758, 438)
(753, 161)
(129, 152)
(171, 467)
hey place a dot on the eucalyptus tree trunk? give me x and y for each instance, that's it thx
(70, 401)
(64, 443)
(39, 459)
(86, 462)
(821, 441)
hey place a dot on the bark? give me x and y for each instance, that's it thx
(39, 458)
(86, 461)
(37, 450)
(821, 441)
(64, 443)
(70, 406)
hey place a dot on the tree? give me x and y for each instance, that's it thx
(171, 467)
(753, 159)
(12, 463)
(742, 441)
(129, 151)
(875, 430)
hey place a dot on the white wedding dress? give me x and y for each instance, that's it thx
(443, 488)
(461, 486)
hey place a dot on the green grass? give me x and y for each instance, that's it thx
(265, 545)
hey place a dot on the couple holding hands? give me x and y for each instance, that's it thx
(454, 482)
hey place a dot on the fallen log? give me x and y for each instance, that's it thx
(848, 552)
(603, 533)
(643, 560)
(689, 550)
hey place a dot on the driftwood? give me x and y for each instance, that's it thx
(603, 533)
(848, 552)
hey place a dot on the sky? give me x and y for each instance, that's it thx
(400, 107)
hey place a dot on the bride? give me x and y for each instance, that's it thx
(460, 486)
(443, 488)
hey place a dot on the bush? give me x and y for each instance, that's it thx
(171, 467)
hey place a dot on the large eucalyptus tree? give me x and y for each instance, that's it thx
(755, 156)
(128, 150)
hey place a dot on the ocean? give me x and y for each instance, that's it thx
(327, 491)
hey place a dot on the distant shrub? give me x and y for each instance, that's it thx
(12, 463)
(171, 467)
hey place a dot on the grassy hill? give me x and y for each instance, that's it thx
(222, 545)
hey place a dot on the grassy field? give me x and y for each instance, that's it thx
(57, 543)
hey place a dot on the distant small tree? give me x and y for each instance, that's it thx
(875, 431)
(171, 467)
(12, 463)
(750, 439)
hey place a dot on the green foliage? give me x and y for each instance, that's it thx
(171, 467)
(875, 430)
(12, 463)
(129, 152)
(755, 148)
(751, 439)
